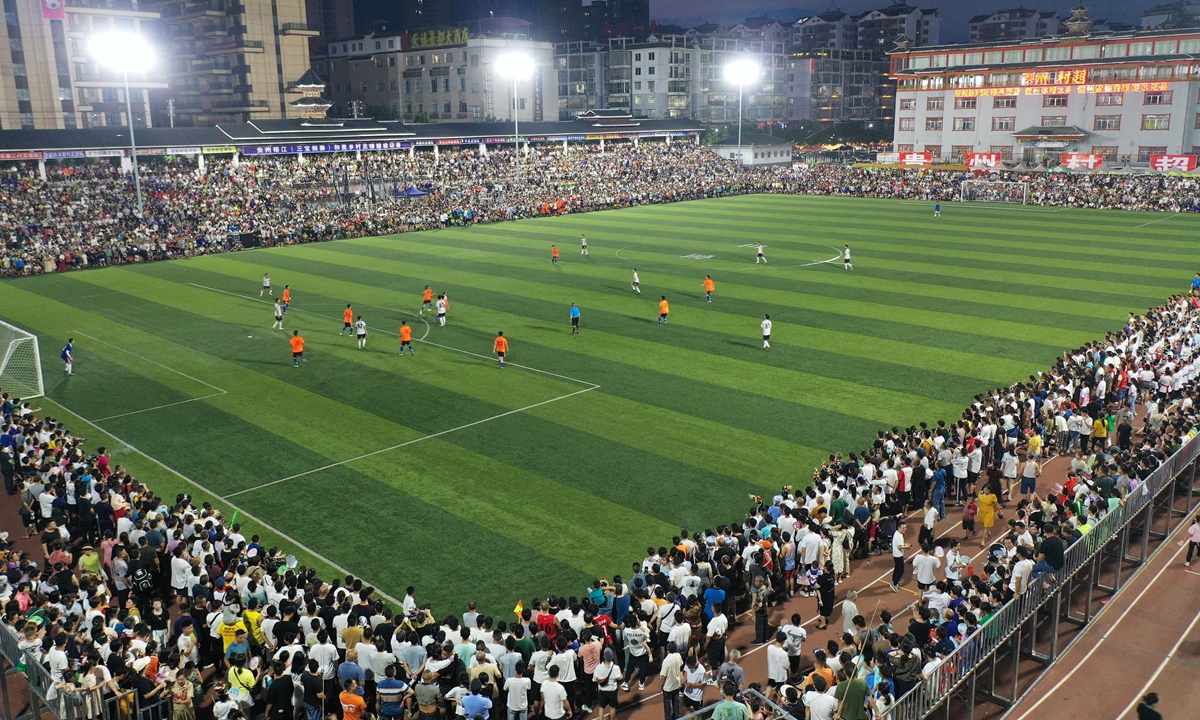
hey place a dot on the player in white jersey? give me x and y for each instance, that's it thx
(278, 317)
(635, 283)
(583, 244)
(760, 257)
(846, 258)
(441, 310)
(766, 328)
(266, 288)
(360, 330)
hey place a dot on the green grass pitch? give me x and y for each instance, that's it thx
(468, 481)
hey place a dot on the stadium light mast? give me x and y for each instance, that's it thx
(125, 51)
(515, 66)
(742, 71)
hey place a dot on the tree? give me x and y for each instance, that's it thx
(379, 112)
(421, 117)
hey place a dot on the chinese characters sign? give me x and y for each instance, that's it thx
(1175, 163)
(1082, 161)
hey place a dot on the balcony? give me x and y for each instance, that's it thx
(235, 9)
(293, 28)
(238, 29)
(220, 87)
(201, 9)
(241, 105)
(239, 69)
(234, 46)
(243, 89)
(214, 30)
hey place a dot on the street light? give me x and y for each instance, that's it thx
(741, 71)
(125, 51)
(515, 66)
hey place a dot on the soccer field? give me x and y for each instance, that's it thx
(471, 482)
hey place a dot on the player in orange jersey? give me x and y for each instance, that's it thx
(427, 300)
(287, 297)
(347, 320)
(663, 310)
(708, 287)
(501, 346)
(553, 254)
(406, 338)
(297, 344)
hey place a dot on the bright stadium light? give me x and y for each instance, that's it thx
(742, 71)
(125, 51)
(515, 66)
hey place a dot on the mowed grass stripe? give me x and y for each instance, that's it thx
(804, 425)
(428, 473)
(711, 320)
(791, 386)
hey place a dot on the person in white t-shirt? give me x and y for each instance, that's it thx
(778, 665)
(924, 566)
(820, 705)
(766, 332)
(555, 704)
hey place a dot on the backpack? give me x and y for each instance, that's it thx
(141, 580)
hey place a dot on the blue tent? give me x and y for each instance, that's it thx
(413, 192)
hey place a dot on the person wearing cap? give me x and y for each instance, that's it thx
(607, 677)
(145, 688)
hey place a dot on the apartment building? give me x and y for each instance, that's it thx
(232, 60)
(48, 80)
(451, 82)
(1015, 24)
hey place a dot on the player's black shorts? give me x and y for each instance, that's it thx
(405, 342)
(500, 354)
(362, 335)
(347, 325)
(297, 354)
(574, 322)
(278, 318)
(766, 337)
(662, 315)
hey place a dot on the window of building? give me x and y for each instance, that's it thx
(1145, 151)
(378, 85)
(420, 59)
(1054, 121)
(964, 124)
(1191, 45)
(420, 108)
(904, 148)
(1004, 123)
(474, 87)
(392, 46)
(408, 108)
(433, 84)
(908, 124)
(445, 84)
(994, 57)
(1058, 53)
(1110, 99)
(446, 107)
(935, 150)
(935, 103)
(1158, 98)
(650, 70)
(964, 103)
(908, 104)
(1086, 52)
(1114, 50)
(973, 58)
(1108, 122)
(378, 45)
(650, 56)
(391, 61)
(1033, 55)
(1197, 125)
(1166, 47)
(1054, 100)
(521, 103)
(474, 61)
(960, 151)
(408, 61)
(1107, 151)
(637, 57)
(1006, 151)
(392, 85)
(1156, 122)
(1138, 49)
(394, 107)
(462, 84)
(637, 85)
(933, 123)
(407, 86)
(1004, 102)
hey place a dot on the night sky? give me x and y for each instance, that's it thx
(954, 13)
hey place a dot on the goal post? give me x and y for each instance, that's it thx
(1005, 191)
(20, 363)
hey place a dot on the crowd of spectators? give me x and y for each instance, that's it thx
(87, 215)
(137, 601)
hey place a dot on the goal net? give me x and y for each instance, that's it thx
(20, 363)
(1004, 191)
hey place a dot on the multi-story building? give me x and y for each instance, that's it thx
(581, 71)
(652, 79)
(48, 80)
(839, 85)
(232, 60)
(1177, 14)
(333, 19)
(595, 20)
(833, 30)
(878, 30)
(715, 99)
(1124, 95)
(450, 82)
(1015, 24)
(629, 18)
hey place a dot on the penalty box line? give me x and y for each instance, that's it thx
(409, 442)
(219, 391)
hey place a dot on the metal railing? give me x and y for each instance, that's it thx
(959, 666)
(67, 701)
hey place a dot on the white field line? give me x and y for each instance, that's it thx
(219, 391)
(1161, 666)
(407, 443)
(984, 205)
(1169, 217)
(242, 511)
